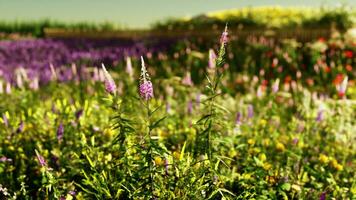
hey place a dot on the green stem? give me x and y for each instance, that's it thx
(149, 151)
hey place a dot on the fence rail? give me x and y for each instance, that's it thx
(297, 33)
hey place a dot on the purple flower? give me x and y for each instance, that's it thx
(238, 118)
(295, 141)
(40, 159)
(5, 159)
(190, 107)
(320, 115)
(60, 132)
(323, 196)
(146, 90)
(146, 87)
(198, 99)
(224, 36)
(34, 84)
(275, 86)
(72, 192)
(187, 80)
(78, 114)
(21, 127)
(250, 111)
(110, 85)
(6, 121)
(212, 57)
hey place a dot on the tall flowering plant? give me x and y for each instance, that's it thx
(138, 152)
(208, 120)
(49, 181)
(151, 146)
(208, 123)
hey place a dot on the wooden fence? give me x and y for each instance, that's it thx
(301, 34)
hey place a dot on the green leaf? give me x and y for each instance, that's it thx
(182, 152)
(286, 186)
(226, 191)
(151, 113)
(257, 161)
(203, 118)
(155, 124)
(89, 160)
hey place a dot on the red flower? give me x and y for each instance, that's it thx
(310, 81)
(269, 54)
(327, 69)
(348, 53)
(264, 82)
(321, 39)
(348, 68)
(338, 79)
(287, 79)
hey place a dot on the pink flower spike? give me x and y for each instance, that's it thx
(275, 86)
(212, 57)
(187, 80)
(146, 87)
(129, 70)
(110, 85)
(40, 159)
(224, 36)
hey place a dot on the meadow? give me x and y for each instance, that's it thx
(193, 118)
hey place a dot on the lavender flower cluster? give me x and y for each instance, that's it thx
(37, 55)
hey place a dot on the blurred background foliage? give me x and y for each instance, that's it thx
(275, 17)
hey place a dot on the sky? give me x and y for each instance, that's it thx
(133, 13)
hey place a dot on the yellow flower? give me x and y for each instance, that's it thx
(27, 127)
(296, 187)
(162, 134)
(262, 157)
(339, 167)
(108, 157)
(232, 153)
(11, 148)
(109, 132)
(271, 179)
(256, 150)
(263, 122)
(158, 161)
(170, 127)
(251, 141)
(266, 142)
(176, 155)
(280, 146)
(323, 158)
(284, 138)
(192, 131)
(246, 176)
(267, 166)
(251, 151)
(336, 165)
(333, 163)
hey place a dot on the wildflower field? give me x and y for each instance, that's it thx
(192, 118)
